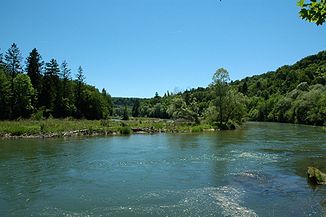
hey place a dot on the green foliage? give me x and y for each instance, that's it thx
(105, 123)
(13, 60)
(5, 95)
(125, 115)
(66, 81)
(68, 126)
(197, 129)
(38, 115)
(313, 11)
(33, 68)
(108, 99)
(292, 94)
(23, 95)
(52, 94)
(230, 105)
(220, 85)
(136, 109)
(179, 109)
(125, 130)
(80, 98)
(51, 85)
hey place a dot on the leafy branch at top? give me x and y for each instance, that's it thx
(313, 11)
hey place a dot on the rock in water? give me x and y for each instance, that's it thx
(315, 176)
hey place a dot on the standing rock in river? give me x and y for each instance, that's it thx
(316, 176)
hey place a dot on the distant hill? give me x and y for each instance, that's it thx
(294, 93)
(311, 69)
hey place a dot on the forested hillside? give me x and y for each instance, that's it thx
(293, 94)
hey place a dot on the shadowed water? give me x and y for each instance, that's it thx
(256, 171)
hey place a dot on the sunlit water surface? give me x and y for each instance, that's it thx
(256, 171)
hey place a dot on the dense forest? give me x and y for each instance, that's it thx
(42, 90)
(293, 94)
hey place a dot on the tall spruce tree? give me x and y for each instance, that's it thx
(34, 71)
(80, 78)
(13, 60)
(66, 76)
(66, 102)
(136, 109)
(108, 99)
(50, 85)
(125, 115)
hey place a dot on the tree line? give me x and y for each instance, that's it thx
(42, 90)
(291, 94)
(220, 104)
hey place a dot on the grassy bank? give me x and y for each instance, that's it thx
(68, 127)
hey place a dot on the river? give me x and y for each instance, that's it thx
(259, 170)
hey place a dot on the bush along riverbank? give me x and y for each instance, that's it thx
(52, 128)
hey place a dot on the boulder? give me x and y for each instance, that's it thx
(315, 176)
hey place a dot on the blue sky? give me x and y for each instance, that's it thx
(134, 48)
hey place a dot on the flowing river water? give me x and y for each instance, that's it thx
(259, 170)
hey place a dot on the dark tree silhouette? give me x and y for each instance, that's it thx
(79, 90)
(50, 84)
(13, 59)
(34, 71)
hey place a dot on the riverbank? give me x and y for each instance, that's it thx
(53, 128)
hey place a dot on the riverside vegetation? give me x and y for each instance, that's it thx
(71, 127)
(43, 98)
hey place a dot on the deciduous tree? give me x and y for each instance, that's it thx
(221, 86)
(313, 10)
(23, 95)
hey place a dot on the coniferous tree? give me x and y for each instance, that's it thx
(244, 88)
(34, 71)
(66, 104)
(125, 115)
(50, 85)
(136, 109)
(4, 94)
(79, 91)
(66, 76)
(13, 59)
(108, 99)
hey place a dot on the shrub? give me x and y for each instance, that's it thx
(105, 123)
(125, 130)
(197, 129)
